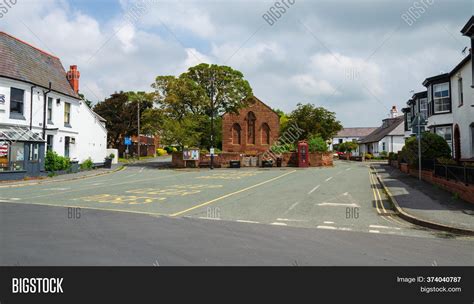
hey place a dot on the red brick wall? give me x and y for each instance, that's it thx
(263, 115)
(465, 192)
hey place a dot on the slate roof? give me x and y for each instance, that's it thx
(381, 132)
(355, 132)
(24, 62)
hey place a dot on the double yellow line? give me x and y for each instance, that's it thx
(379, 201)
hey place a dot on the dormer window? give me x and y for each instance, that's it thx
(442, 98)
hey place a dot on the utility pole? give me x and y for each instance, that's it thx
(138, 129)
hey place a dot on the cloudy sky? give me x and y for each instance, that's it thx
(357, 58)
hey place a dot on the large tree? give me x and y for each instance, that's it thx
(204, 92)
(121, 112)
(314, 121)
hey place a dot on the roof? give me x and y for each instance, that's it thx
(461, 64)
(468, 29)
(355, 132)
(381, 132)
(436, 78)
(24, 62)
(255, 100)
(9, 133)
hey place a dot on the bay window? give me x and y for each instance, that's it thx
(424, 108)
(442, 98)
(446, 132)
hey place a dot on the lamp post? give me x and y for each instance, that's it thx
(419, 145)
(212, 123)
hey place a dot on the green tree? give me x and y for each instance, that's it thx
(433, 146)
(203, 93)
(317, 144)
(315, 121)
(121, 112)
(283, 119)
(348, 146)
(86, 101)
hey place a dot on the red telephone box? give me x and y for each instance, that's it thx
(303, 157)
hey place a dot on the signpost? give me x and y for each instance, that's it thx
(127, 142)
(419, 122)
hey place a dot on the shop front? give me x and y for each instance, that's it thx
(22, 153)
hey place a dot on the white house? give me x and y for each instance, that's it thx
(390, 137)
(38, 95)
(448, 106)
(350, 134)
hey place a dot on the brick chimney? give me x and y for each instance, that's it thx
(73, 78)
(394, 112)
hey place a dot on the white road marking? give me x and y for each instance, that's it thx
(384, 227)
(327, 222)
(293, 206)
(56, 189)
(279, 224)
(344, 229)
(374, 231)
(348, 169)
(97, 184)
(290, 220)
(209, 218)
(314, 189)
(15, 199)
(338, 205)
(326, 227)
(249, 222)
(327, 180)
(141, 170)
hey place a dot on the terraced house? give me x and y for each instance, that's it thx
(40, 109)
(447, 106)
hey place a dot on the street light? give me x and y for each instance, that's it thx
(212, 123)
(138, 128)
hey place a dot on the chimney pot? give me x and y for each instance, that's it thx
(73, 77)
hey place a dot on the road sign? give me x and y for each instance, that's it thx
(127, 141)
(212, 151)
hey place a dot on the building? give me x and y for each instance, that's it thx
(40, 98)
(148, 146)
(447, 106)
(350, 134)
(252, 131)
(390, 137)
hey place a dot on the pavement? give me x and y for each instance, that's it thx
(427, 203)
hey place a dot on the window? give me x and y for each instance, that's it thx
(34, 152)
(460, 92)
(50, 110)
(67, 114)
(446, 133)
(17, 156)
(251, 128)
(4, 161)
(424, 108)
(384, 147)
(472, 139)
(441, 98)
(341, 140)
(49, 142)
(236, 134)
(16, 101)
(265, 134)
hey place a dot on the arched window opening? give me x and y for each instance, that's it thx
(265, 134)
(251, 128)
(236, 134)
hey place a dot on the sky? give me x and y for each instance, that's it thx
(356, 58)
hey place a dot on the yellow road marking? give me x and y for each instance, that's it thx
(231, 194)
(108, 185)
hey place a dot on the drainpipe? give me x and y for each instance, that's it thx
(45, 96)
(31, 107)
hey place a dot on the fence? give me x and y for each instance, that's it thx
(463, 174)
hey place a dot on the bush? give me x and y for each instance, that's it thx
(383, 155)
(111, 156)
(368, 156)
(317, 144)
(446, 161)
(161, 152)
(433, 147)
(87, 164)
(392, 156)
(54, 162)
